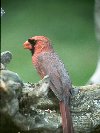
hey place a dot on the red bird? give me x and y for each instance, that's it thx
(47, 62)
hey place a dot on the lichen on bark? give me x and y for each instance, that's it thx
(33, 107)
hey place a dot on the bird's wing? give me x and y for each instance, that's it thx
(60, 83)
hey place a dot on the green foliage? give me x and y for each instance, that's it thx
(69, 24)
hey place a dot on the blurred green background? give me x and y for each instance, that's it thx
(68, 23)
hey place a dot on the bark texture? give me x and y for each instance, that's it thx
(33, 108)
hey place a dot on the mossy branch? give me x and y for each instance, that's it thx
(33, 107)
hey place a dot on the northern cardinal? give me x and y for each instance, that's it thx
(47, 62)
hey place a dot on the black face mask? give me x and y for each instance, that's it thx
(32, 42)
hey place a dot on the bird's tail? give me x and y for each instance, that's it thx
(66, 118)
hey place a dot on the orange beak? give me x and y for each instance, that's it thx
(27, 45)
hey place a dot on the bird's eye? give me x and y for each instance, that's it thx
(32, 41)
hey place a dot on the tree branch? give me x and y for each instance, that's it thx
(34, 107)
